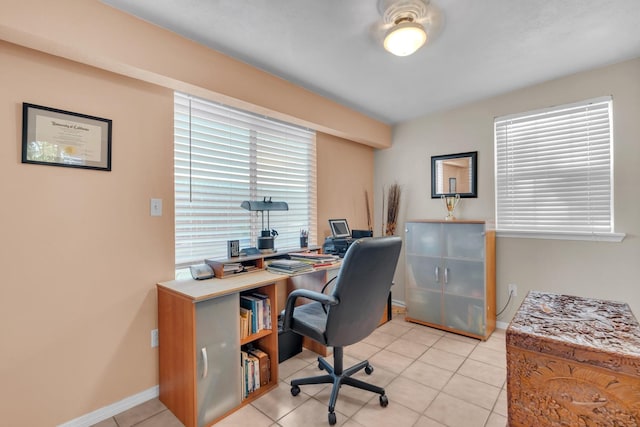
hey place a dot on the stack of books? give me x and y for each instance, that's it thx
(315, 259)
(289, 266)
(256, 370)
(255, 314)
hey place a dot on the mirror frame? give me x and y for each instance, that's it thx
(474, 174)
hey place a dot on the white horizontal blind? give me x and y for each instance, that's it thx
(224, 156)
(554, 169)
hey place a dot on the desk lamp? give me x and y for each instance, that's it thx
(267, 236)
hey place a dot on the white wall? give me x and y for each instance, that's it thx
(590, 269)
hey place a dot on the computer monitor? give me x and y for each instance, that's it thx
(339, 228)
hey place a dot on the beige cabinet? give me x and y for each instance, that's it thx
(450, 276)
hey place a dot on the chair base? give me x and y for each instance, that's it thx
(336, 376)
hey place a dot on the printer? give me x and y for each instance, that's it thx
(341, 237)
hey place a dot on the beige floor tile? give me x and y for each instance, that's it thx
(163, 419)
(462, 338)
(490, 356)
(495, 342)
(291, 366)
(139, 413)
(374, 415)
(428, 375)
(484, 372)
(442, 359)
(109, 422)
(361, 350)
(279, 402)
(455, 346)
(427, 422)
(397, 329)
(350, 399)
(411, 394)
(472, 391)
(311, 413)
(501, 407)
(310, 371)
(352, 423)
(454, 412)
(390, 361)
(379, 339)
(496, 420)
(423, 335)
(246, 416)
(407, 348)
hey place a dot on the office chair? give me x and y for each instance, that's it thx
(348, 314)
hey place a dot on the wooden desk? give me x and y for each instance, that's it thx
(198, 321)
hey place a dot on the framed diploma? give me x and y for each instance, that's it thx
(63, 138)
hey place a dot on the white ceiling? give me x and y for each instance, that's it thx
(478, 48)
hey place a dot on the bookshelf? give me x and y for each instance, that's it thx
(201, 344)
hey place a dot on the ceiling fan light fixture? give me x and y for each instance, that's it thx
(405, 37)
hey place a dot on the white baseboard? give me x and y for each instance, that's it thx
(113, 409)
(502, 325)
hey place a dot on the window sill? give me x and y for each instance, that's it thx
(594, 237)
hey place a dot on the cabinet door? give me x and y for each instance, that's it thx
(464, 277)
(424, 271)
(218, 357)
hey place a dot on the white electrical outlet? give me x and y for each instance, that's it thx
(513, 290)
(154, 338)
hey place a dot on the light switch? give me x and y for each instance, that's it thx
(156, 207)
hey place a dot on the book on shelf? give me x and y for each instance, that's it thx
(250, 373)
(264, 363)
(260, 307)
(245, 322)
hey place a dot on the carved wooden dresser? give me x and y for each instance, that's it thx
(573, 361)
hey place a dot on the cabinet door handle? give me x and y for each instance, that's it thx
(205, 360)
(437, 274)
(446, 275)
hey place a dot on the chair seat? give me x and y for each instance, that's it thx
(310, 321)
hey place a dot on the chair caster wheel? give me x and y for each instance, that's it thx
(295, 390)
(320, 366)
(332, 418)
(368, 369)
(384, 401)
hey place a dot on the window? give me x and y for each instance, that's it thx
(554, 170)
(225, 156)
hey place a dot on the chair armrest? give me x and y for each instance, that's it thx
(304, 293)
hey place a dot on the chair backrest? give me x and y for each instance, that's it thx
(362, 287)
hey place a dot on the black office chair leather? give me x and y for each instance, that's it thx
(348, 314)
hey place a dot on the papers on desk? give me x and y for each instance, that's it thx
(315, 259)
(289, 266)
(302, 262)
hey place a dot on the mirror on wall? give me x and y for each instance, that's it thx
(453, 174)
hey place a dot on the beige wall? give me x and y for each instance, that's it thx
(591, 269)
(93, 33)
(81, 252)
(345, 172)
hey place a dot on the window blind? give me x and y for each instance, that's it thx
(554, 169)
(224, 156)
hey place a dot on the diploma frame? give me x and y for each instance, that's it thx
(63, 138)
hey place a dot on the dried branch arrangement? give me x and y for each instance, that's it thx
(366, 201)
(393, 206)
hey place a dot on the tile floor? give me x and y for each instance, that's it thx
(432, 378)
